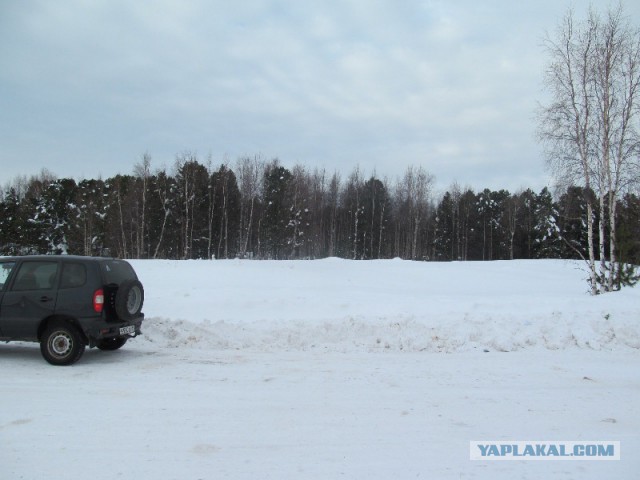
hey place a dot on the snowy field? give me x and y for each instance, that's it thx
(336, 369)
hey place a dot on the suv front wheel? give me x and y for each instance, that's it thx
(62, 344)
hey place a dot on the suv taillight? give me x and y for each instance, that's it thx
(98, 300)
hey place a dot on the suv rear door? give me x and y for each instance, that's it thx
(30, 298)
(114, 274)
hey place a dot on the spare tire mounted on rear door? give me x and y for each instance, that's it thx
(129, 299)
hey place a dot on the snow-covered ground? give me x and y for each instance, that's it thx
(336, 369)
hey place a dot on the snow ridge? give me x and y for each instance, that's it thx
(378, 306)
(356, 334)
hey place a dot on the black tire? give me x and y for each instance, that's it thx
(62, 344)
(129, 299)
(110, 344)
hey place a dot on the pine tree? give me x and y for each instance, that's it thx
(11, 224)
(547, 236)
(277, 213)
(572, 220)
(55, 212)
(444, 223)
(91, 213)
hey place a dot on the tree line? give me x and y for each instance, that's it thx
(260, 209)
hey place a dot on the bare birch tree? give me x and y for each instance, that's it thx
(163, 188)
(353, 190)
(617, 79)
(334, 204)
(142, 171)
(187, 170)
(590, 126)
(249, 172)
(416, 185)
(512, 206)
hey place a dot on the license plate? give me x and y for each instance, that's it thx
(131, 329)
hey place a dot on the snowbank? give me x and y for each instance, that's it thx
(378, 306)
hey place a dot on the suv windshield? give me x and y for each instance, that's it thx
(116, 271)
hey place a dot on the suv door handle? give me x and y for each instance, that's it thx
(44, 298)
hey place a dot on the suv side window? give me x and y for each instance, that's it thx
(73, 275)
(36, 276)
(5, 271)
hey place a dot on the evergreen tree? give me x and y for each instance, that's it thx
(573, 222)
(375, 213)
(55, 212)
(192, 186)
(527, 220)
(470, 227)
(225, 213)
(547, 236)
(91, 213)
(162, 212)
(628, 233)
(11, 224)
(277, 211)
(629, 230)
(490, 208)
(118, 232)
(444, 232)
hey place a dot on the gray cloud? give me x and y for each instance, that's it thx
(88, 87)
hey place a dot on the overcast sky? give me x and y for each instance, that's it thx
(87, 87)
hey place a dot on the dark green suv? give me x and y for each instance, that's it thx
(68, 302)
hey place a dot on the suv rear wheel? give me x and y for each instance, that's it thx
(62, 344)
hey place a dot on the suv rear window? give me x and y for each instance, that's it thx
(73, 275)
(116, 271)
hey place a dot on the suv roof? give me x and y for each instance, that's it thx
(50, 257)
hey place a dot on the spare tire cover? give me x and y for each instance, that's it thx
(129, 299)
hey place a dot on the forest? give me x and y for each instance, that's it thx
(259, 209)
